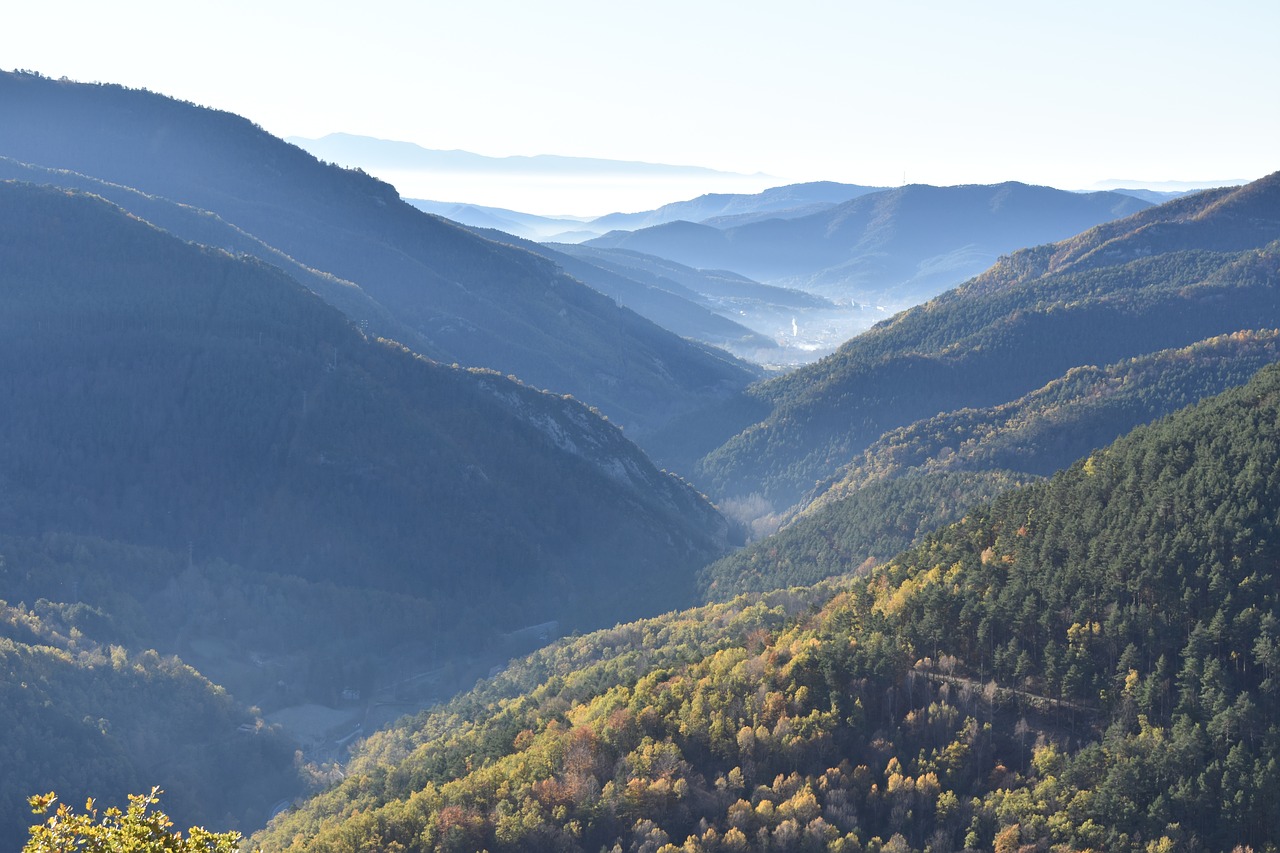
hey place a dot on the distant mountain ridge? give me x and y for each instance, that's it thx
(785, 202)
(1153, 196)
(719, 209)
(1177, 187)
(896, 246)
(352, 149)
(527, 226)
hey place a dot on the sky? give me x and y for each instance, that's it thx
(879, 93)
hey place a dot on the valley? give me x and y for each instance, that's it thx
(828, 516)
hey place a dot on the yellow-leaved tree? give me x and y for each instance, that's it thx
(141, 827)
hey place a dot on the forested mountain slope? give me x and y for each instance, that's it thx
(896, 246)
(915, 479)
(1045, 431)
(853, 532)
(1197, 267)
(162, 393)
(201, 226)
(85, 716)
(1089, 662)
(464, 299)
(198, 455)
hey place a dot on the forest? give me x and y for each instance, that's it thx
(914, 479)
(327, 524)
(199, 458)
(1084, 663)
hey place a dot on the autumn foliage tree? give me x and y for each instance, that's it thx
(140, 827)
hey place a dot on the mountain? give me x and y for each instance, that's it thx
(1169, 276)
(462, 298)
(230, 410)
(1086, 663)
(895, 247)
(199, 456)
(786, 202)
(917, 478)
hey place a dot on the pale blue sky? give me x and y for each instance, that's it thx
(1065, 94)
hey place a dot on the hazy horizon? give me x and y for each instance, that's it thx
(593, 187)
(875, 94)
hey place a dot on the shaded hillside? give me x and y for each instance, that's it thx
(463, 298)
(1192, 269)
(917, 478)
(1087, 663)
(87, 717)
(161, 393)
(895, 247)
(201, 226)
